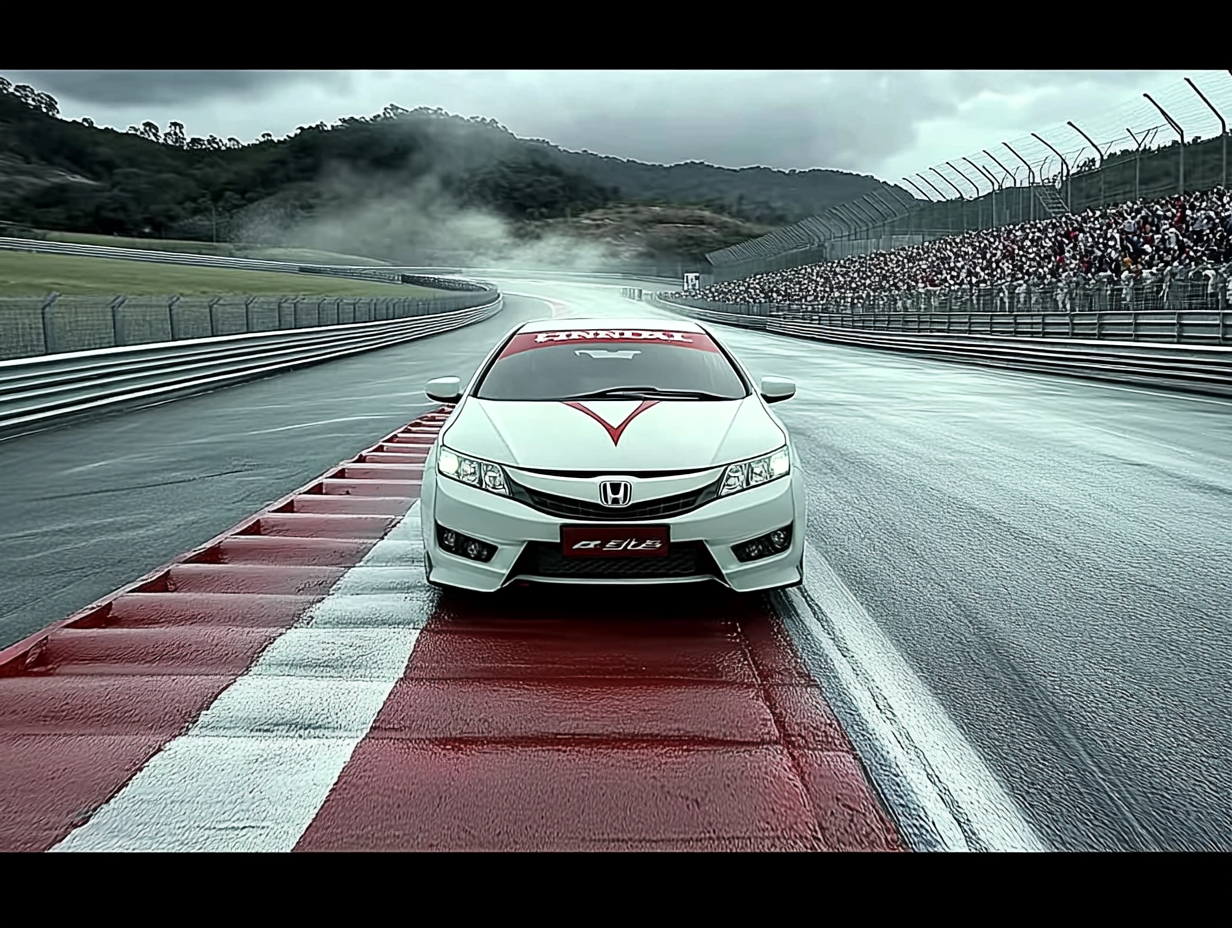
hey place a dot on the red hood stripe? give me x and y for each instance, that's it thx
(615, 433)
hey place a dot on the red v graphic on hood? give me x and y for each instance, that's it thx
(615, 433)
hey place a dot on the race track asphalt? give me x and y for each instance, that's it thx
(1050, 556)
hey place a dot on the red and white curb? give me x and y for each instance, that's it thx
(294, 684)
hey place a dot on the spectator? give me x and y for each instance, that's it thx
(1135, 245)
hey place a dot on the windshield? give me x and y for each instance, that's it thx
(573, 363)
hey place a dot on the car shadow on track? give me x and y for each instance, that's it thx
(634, 604)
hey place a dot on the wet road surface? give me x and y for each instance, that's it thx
(1048, 556)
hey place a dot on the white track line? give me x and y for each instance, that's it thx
(256, 767)
(942, 794)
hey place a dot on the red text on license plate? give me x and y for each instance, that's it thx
(613, 541)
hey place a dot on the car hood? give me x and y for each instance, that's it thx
(615, 436)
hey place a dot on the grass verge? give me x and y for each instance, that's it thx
(24, 274)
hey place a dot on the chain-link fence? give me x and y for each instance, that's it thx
(1047, 174)
(1207, 291)
(31, 326)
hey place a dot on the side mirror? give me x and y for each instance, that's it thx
(777, 389)
(444, 389)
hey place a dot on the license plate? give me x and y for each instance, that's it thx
(613, 541)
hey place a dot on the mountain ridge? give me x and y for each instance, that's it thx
(411, 186)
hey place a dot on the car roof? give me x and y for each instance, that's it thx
(574, 322)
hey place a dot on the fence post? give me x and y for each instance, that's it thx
(214, 315)
(171, 302)
(116, 326)
(248, 301)
(49, 329)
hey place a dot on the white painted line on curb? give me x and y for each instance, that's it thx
(941, 793)
(256, 767)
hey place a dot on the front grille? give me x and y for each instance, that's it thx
(684, 559)
(565, 508)
(643, 474)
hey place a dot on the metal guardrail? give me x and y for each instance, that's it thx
(1191, 368)
(1192, 327)
(40, 393)
(45, 325)
(32, 326)
(1039, 344)
(745, 315)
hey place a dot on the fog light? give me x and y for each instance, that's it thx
(463, 546)
(775, 542)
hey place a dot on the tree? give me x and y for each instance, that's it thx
(149, 130)
(234, 143)
(196, 143)
(175, 135)
(267, 137)
(214, 143)
(87, 121)
(25, 93)
(133, 130)
(47, 103)
(6, 86)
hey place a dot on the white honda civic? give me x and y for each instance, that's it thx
(612, 452)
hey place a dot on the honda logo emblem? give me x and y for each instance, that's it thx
(615, 493)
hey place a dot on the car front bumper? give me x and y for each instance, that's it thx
(528, 542)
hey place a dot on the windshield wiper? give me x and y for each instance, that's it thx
(643, 392)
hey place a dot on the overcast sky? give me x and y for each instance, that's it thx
(884, 123)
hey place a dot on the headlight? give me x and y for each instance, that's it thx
(480, 474)
(754, 473)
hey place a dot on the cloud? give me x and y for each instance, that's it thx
(137, 88)
(874, 122)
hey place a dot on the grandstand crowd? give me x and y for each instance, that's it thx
(1140, 246)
